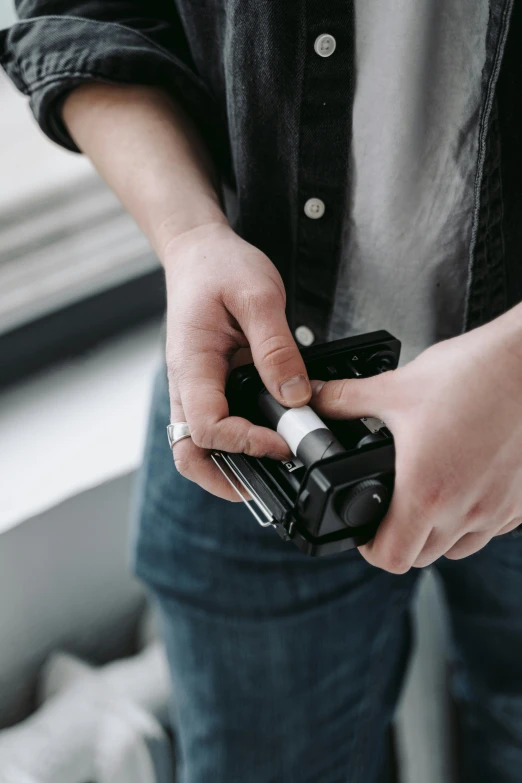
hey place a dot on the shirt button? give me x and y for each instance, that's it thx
(325, 45)
(314, 208)
(304, 335)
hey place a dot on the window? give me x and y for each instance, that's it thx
(74, 268)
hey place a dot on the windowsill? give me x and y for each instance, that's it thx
(75, 426)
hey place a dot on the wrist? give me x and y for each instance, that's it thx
(212, 231)
(178, 228)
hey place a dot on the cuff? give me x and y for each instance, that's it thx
(46, 57)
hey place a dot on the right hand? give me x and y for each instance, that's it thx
(226, 300)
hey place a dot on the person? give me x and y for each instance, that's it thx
(306, 171)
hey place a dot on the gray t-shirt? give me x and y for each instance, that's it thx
(414, 150)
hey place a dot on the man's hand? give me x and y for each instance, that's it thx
(456, 416)
(225, 300)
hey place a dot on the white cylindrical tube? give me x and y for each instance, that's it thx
(306, 434)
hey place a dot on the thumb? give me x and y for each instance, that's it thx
(277, 356)
(353, 397)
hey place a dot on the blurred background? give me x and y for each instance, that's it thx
(81, 302)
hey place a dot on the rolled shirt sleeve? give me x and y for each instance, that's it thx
(57, 45)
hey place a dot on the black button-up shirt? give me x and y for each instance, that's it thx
(276, 117)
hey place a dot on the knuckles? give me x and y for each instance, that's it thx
(259, 302)
(210, 436)
(276, 351)
(475, 513)
(203, 435)
(392, 561)
(336, 392)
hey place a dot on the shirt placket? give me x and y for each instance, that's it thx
(324, 150)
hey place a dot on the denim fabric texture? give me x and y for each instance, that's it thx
(278, 121)
(288, 668)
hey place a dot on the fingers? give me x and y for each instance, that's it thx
(468, 545)
(202, 398)
(355, 397)
(456, 546)
(474, 542)
(514, 523)
(437, 544)
(394, 550)
(408, 533)
(399, 540)
(455, 543)
(197, 382)
(275, 352)
(196, 464)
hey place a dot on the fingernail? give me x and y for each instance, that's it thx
(316, 386)
(296, 390)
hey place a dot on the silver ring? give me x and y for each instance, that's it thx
(176, 432)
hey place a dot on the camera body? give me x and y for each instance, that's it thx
(334, 496)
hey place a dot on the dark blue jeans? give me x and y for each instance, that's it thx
(288, 668)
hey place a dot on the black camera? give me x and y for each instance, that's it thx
(336, 490)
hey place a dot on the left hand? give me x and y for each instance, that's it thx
(456, 416)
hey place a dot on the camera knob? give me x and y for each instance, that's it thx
(366, 503)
